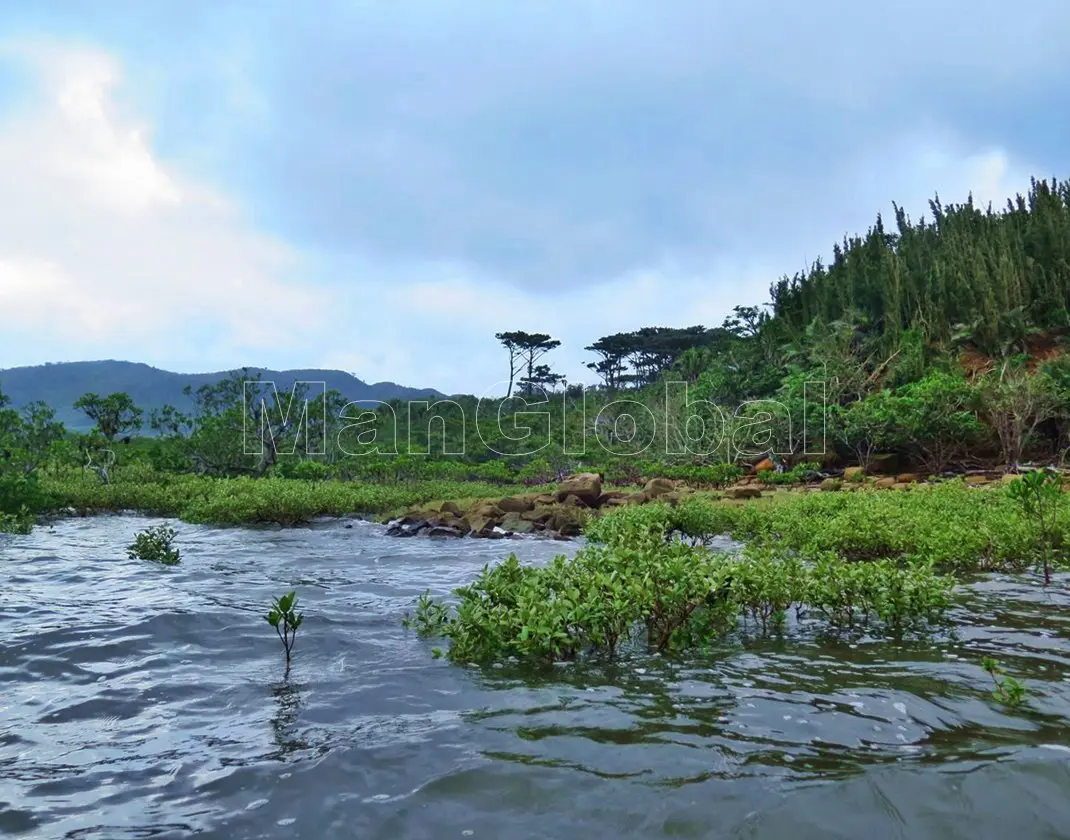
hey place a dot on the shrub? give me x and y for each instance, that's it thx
(155, 544)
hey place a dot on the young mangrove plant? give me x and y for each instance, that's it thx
(155, 544)
(286, 622)
(1008, 690)
(1039, 493)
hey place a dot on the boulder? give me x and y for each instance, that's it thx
(885, 483)
(743, 493)
(514, 523)
(902, 485)
(515, 504)
(480, 525)
(574, 501)
(1010, 478)
(408, 526)
(976, 480)
(450, 507)
(830, 485)
(587, 487)
(658, 487)
(854, 473)
(442, 532)
(907, 478)
(487, 510)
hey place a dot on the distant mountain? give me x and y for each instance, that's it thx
(60, 385)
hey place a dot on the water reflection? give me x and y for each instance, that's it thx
(287, 696)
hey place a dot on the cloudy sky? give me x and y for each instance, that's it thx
(381, 185)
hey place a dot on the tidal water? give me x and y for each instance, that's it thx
(138, 701)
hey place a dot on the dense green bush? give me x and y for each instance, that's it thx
(155, 544)
(639, 585)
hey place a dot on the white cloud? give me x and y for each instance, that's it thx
(107, 250)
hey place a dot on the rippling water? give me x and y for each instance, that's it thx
(138, 701)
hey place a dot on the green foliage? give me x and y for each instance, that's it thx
(949, 524)
(113, 415)
(1007, 689)
(796, 475)
(248, 501)
(937, 419)
(286, 621)
(155, 544)
(1040, 495)
(646, 581)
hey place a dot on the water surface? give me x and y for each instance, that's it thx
(138, 701)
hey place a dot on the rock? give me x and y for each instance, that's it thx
(442, 532)
(567, 523)
(854, 473)
(487, 510)
(545, 499)
(743, 493)
(515, 504)
(408, 526)
(830, 485)
(902, 485)
(1009, 478)
(658, 487)
(572, 500)
(542, 514)
(907, 478)
(586, 486)
(976, 480)
(515, 523)
(480, 525)
(450, 507)
(885, 483)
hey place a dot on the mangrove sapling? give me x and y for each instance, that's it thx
(431, 616)
(155, 544)
(1039, 493)
(286, 622)
(1008, 690)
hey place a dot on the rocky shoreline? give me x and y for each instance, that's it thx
(563, 513)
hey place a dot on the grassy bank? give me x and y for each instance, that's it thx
(246, 501)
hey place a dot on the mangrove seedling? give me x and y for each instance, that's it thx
(1008, 689)
(285, 621)
(155, 544)
(1039, 493)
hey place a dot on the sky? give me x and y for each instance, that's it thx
(379, 186)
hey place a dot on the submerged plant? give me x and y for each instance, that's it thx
(1039, 493)
(286, 622)
(155, 544)
(1008, 689)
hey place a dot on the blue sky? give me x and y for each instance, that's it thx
(381, 186)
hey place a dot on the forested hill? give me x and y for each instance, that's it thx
(60, 385)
